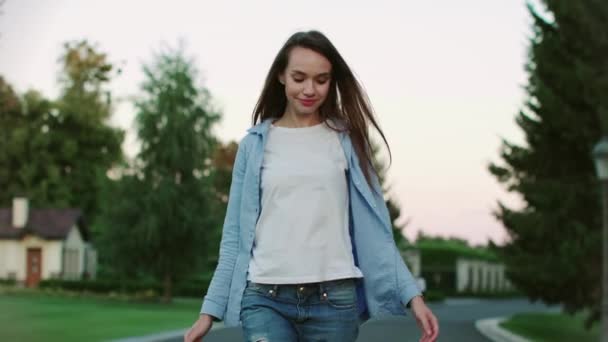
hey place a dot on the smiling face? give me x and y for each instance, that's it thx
(306, 78)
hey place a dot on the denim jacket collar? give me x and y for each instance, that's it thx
(261, 128)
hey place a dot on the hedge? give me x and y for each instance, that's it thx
(189, 288)
(8, 281)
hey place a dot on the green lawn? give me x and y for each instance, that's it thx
(28, 317)
(551, 327)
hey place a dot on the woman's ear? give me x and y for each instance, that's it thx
(282, 78)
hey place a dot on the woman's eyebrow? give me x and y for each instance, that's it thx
(303, 73)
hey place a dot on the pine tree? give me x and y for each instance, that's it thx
(554, 253)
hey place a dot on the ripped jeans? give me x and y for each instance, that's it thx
(325, 311)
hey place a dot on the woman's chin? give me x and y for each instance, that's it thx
(306, 110)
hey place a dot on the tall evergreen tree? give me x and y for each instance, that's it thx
(554, 250)
(162, 219)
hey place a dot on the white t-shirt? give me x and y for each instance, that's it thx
(302, 232)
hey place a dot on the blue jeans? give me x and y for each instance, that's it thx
(325, 311)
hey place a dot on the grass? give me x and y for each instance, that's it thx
(39, 316)
(551, 327)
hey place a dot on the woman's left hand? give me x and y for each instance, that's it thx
(427, 322)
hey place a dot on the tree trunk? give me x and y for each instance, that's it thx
(168, 288)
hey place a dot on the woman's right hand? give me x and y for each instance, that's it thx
(199, 329)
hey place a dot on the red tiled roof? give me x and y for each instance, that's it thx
(46, 223)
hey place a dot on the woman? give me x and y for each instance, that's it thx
(307, 250)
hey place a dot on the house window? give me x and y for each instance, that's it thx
(70, 263)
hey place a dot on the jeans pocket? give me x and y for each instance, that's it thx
(343, 296)
(254, 289)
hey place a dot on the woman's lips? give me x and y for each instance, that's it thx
(307, 103)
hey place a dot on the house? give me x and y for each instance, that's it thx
(41, 244)
(481, 276)
(411, 257)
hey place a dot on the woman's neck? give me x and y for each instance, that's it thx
(291, 120)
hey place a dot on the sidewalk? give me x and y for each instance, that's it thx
(490, 328)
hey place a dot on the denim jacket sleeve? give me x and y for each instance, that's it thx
(406, 284)
(216, 300)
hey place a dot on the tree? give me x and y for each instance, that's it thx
(28, 161)
(554, 250)
(11, 120)
(53, 152)
(221, 167)
(393, 208)
(160, 217)
(86, 147)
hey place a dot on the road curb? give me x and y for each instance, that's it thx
(154, 337)
(160, 337)
(491, 329)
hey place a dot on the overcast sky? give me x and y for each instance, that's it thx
(445, 78)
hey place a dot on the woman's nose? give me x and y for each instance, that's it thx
(309, 88)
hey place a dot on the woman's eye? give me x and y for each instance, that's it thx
(300, 80)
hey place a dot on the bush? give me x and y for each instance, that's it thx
(8, 281)
(434, 296)
(191, 289)
(101, 286)
(188, 288)
(487, 294)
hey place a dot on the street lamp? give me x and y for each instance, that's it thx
(600, 155)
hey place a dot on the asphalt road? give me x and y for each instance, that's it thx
(456, 319)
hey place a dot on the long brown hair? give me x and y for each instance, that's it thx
(346, 100)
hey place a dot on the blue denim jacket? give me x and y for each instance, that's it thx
(387, 285)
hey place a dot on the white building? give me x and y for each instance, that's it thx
(481, 276)
(41, 244)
